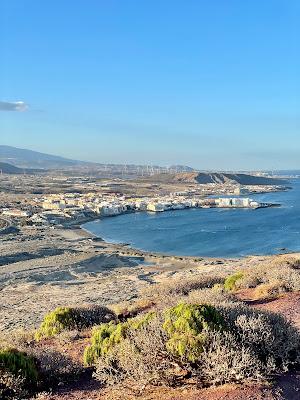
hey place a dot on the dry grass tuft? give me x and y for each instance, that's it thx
(169, 292)
(278, 276)
(129, 310)
(215, 296)
(268, 291)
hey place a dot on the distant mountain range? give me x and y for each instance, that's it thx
(6, 168)
(9, 169)
(24, 158)
(17, 161)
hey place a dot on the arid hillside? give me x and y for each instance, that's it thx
(216, 177)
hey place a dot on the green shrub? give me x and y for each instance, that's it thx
(19, 364)
(141, 357)
(62, 318)
(68, 318)
(187, 326)
(139, 322)
(106, 336)
(214, 345)
(104, 339)
(230, 281)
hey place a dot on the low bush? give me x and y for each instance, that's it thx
(283, 272)
(33, 366)
(230, 283)
(215, 296)
(141, 358)
(186, 326)
(226, 359)
(267, 291)
(12, 387)
(182, 286)
(55, 367)
(103, 340)
(286, 260)
(106, 336)
(19, 364)
(215, 345)
(68, 318)
(62, 318)
(269, 335)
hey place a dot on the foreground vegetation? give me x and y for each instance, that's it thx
(180, 332)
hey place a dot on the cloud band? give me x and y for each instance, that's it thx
(13, 106)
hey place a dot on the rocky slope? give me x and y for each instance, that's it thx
(216, 177)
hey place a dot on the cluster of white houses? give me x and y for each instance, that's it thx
(59, 208)
(75, 205)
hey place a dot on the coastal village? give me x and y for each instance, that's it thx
(76, 207)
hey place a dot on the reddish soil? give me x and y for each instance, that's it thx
(288, 304)
(90, 391)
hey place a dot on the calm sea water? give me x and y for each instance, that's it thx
(211, 232)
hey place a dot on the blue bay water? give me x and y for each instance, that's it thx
(211, 232)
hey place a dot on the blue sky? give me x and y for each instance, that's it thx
(212, 84)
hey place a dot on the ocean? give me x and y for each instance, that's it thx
(211, 232)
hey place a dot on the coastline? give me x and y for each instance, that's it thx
(62, 266)
(281, 244)
(67, 264)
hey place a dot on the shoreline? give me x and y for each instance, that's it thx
(128, 248)
(67, 266)
(279, 248)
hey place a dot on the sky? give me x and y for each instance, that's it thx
(214, 84)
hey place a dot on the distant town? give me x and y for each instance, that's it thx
(105, 201)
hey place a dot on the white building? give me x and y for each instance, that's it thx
(16, 213)
(156, 207)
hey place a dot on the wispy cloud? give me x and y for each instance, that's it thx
(13, 106)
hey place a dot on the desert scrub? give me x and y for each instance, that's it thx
(213, 345)
(62, 318)
(19, 364)
(107, 336)
(230, 283)
(267, 291)
(181, 286)
(186, 326)
(141, 358)
(214, 296)
(103, 340)
(225, 359)
(268, 335)
(12, 387)
(55, 366)
(68, 318)
(282, 271)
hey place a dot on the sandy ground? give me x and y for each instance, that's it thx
(42, 268)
